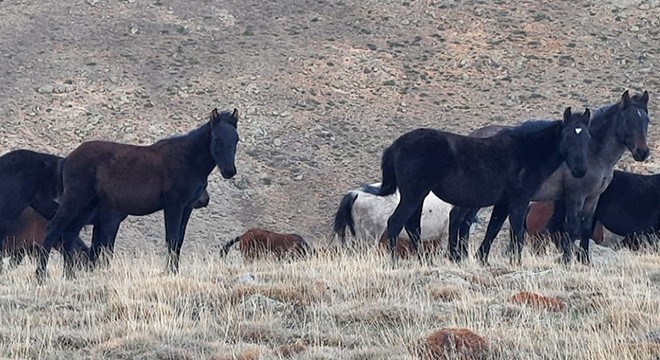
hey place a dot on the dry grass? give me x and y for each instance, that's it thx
(348, 306)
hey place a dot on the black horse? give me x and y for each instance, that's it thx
(505, 169)
(110, 179)
(629, 207)
(613, 128)
(27, 178)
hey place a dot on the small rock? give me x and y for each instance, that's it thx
(241, 183)
(246, 278)
(277, 142)
(524, 275)
(652, 336)
(453, 279)
(634, 28)
(46, 89)
(258, 304)
(405, 22)
(298, 177)
(285, 114)
(372, 47)
(450, 343)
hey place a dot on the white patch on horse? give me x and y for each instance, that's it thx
(578, 130)
(370, 214)
(639, 112)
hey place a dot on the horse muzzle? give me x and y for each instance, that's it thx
(640, 153)
(228, 174)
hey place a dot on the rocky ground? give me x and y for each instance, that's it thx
(322, 86)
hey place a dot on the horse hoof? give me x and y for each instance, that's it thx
(583, 257)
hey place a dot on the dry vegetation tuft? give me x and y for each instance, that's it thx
(353, 305)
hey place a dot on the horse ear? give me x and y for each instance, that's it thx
(235, 114)
(586, 117)
(214, 115)
(567, 114)
(645, 97)
(625, 99)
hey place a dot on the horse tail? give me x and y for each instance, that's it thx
(388, 185)
(344, 216)
(225, 249)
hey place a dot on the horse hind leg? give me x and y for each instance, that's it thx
(106, 226)
(413, 228)
(457, 216)
(407, 207)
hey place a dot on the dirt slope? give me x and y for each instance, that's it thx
(323, 86)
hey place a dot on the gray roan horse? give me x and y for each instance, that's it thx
(507, 168)
(613, 128)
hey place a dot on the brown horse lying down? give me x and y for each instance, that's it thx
(257, 243)
(405, 249)
(538, 215)
(27, 232)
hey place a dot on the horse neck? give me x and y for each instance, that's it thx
(197, 150)
(605, 147)
(544, 145)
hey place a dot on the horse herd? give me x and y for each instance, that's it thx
(433, 182)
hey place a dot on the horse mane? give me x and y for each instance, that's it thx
(224, 116)
(530, 127)
(598, 116)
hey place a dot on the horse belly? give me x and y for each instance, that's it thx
(473, 194)
(135, 199)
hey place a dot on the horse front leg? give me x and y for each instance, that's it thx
(574, 206)
(407, 207)
(586, 229)
(182, 230)
(497, 217)
(173, 217)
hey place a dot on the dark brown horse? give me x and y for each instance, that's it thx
(258, 243)
(110, 180)
(24, 234)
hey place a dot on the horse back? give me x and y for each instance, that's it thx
(455, 166)
(131, 178)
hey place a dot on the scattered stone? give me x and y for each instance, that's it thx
(246, 278)
(451, 343)
(651, 336)
(241, 183)
(258, 304)
(451, 279)
(46, 89)
(372, 47)
(277, 142)
(537, 301)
